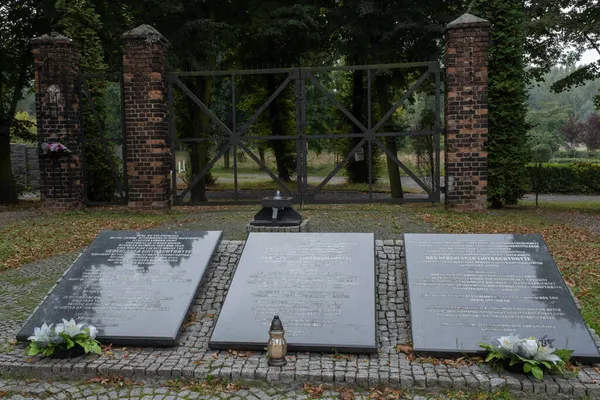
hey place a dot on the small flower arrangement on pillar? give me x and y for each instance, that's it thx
(65, 340)
(54, 148)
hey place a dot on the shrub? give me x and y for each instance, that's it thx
(574, 160)
(579, 177)
(575, 154)
(541, 153)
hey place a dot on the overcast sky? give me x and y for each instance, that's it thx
(588, 57)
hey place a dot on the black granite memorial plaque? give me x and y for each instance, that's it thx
(322, 286)
(466, 289)
(134, 286)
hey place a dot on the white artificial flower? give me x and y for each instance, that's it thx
(93, 331)
(527, 348)
(71, 328)
(546, 353)
(507, 343)
(42, 335)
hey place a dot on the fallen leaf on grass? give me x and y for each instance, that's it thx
(313, 391)
(384, 394)
(346, 394)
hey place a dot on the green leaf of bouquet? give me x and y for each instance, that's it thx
(487, 346)
(514, 361)
(33, 349)
(95, 348)
(69, 342)
(546, 364)
(537, 372)
(564, 355)
(49, 351)
(527, 368)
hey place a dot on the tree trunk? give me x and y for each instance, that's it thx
(226, 164)
(390, 141)
(358, 171)
(261, 155)
(8, 191)
(277, 129)
(199, 150)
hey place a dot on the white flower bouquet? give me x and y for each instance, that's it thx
(67, 335)
(533, 354)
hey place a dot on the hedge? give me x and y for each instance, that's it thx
(574, 160)
(576, 153)
(580, 177)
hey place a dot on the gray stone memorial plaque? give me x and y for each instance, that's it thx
(322, 286)
(466, 289)
(134, 286)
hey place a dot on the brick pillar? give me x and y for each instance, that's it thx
(57, 111)
(145, 94)
(466, 113)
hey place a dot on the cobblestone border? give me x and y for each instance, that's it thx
(193, 360)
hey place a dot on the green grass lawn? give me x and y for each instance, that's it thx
(575, 249)
(317, 164)
(264, 184)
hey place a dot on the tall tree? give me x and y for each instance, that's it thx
(560, 31)
(592, 132)
(280, 33)
(20, 20)
(199, 34)
(385, 31)
(572, 132)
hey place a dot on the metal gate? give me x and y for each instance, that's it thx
(103, 138)
(369, 135)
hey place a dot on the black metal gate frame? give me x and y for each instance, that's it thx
(369, 133)
(84, 90)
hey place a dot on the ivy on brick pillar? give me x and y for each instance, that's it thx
(466, 113)
(145, 94)
(57, 113)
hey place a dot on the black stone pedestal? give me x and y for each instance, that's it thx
(277, 211)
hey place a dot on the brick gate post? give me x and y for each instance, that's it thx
(145, 95)
(58, 121)
(466, 113)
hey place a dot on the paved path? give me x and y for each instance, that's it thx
(21, 290)
(34, 389)
(563, 198)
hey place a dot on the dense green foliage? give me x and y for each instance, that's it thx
(541, 153)
(20, 20)
(579, 154)
(575, 160)
(560, 31)
(549, 111)
(209, 35)
(507, 141)
(581, 177)
(82, 24)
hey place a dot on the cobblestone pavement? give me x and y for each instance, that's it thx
(11, 389)
(23, 289)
